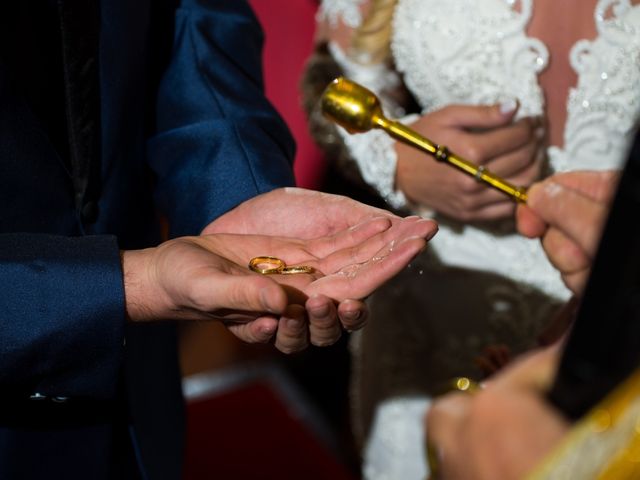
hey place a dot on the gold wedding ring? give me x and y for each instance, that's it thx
(267, 265)
(294, 270)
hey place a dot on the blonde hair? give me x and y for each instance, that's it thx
(372, 40)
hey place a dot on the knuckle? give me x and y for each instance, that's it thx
(196, 298)
(473, 153)
(468, 185)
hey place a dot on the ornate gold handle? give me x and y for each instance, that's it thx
(358, 110)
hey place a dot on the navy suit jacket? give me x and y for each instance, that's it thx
(165, 114)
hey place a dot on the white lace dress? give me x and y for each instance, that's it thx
(478, 52)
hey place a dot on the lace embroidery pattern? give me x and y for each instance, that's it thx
(447, 58)
(478, 52)
(604, 107)
(346, 10)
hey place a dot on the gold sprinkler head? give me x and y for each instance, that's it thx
(351, 105)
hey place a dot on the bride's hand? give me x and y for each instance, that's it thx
(487, 136)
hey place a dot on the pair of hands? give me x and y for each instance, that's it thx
(352, 247)
(485, 135)
(504, 430)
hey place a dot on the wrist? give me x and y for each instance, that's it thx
(137, 285)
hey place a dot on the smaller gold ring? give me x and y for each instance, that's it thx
(277, 265)
(294, 270)
(464, 384)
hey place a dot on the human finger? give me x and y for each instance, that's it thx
(529, 174)
(260, 330)
(530, 371)
(232, 291)
(477, 116)
(529, 224)
(500, 208)
(353, 314)
(599, 186)
(324, 327)
(483, 146)
(478, 194)
(577, 216)
(576, 281)
(514, 162)
(360, 280)
(565, 255)
(365, 251)
(293, 330)
(568, 258)
(349, 237)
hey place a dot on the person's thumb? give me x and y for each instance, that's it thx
(248, 293)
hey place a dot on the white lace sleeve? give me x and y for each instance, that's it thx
(346, 10)
(374, 152)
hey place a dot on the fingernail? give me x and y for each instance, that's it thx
(508, 106)
(294, 323)
(540, 133)
(416, 237)
(267, 331)
(433, 232)
(321, 311)
(352, 316)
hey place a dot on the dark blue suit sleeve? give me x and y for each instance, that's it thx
(62, 315)
(219, 141)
